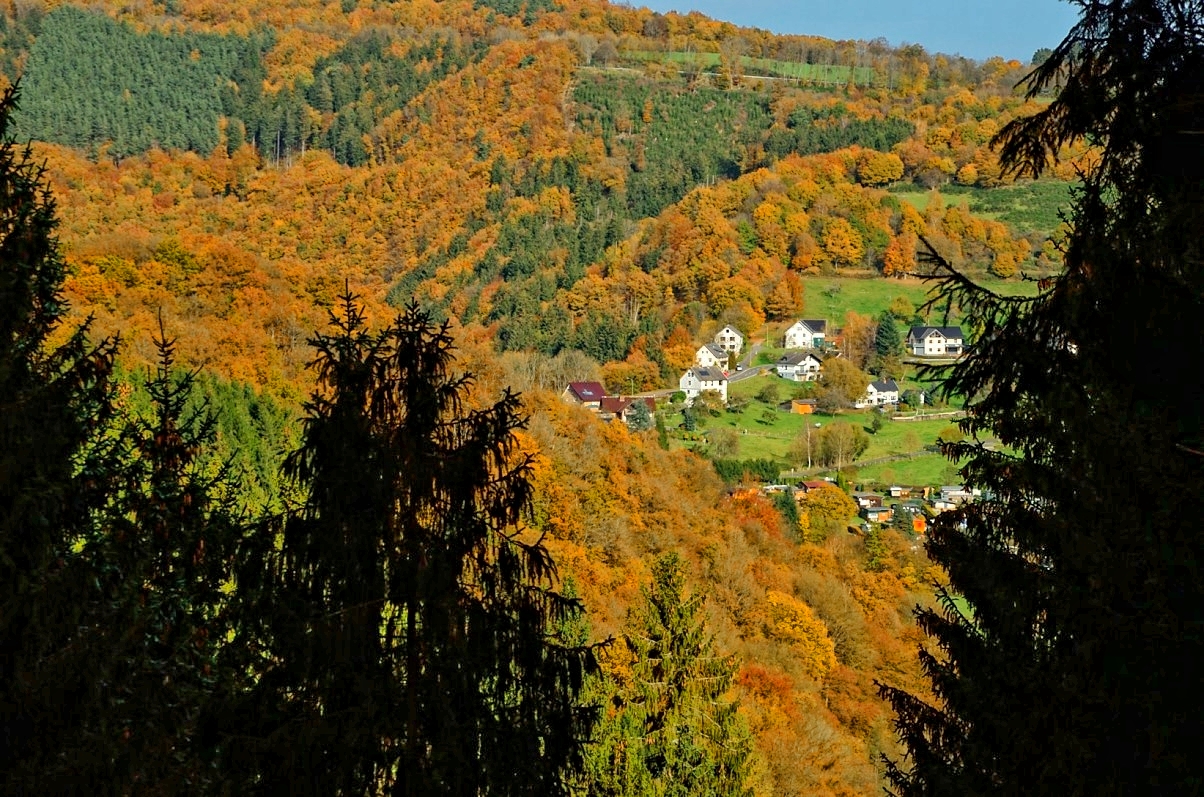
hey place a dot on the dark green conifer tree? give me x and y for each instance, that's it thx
(887, 341)
(54, 400)
(404, 621)
(162, 554)
(1078, 671)
(670, 730)
(641, 419)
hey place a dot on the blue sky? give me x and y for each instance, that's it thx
(973, 28)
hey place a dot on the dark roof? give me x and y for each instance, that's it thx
(618, 404)
(709, 374)
(815, 324)
(717, 350)
(885, 387)
(613, 404)
(797, 357)
(948, 332)
(587, 391)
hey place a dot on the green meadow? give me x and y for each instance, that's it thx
(1031, 207)
(830, 298)
(765, 431)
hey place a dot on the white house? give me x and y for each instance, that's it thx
(711, 355)
(806, 334)
(935, 341)
(801, 366)
(958, 494)
(879, 393)
(698, 379)
(729, 339)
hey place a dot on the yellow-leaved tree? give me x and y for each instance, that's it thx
(792, 621)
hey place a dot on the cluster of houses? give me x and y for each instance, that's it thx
(808, 347)
(915, 504)
(592, 396)
(711, 365)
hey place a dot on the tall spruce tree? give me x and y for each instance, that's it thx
(887, 341)
(888, 345)
(1077, 672)
(405, 622)
(54, 400)
(670, 730)
(162, 555)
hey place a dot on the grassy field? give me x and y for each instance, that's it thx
(831, 297)
(1030, 207)
(764, 431)
(930, 469)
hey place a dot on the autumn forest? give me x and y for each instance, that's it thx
(568, 190)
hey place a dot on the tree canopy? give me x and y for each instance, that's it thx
(1075, 672)
(406, 623)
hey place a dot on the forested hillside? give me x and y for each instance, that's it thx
(581, 190)
(479, 170)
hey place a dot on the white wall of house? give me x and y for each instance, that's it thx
(805, 371)
(707, 359)
(875, 397)
(692, 384)
(730, 339)
(801, 336)
(934, 343)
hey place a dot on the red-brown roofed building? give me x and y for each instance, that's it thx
(587, 394)
(612, 407)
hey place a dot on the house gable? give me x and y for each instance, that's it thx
(929, 341)
(806, 333)
(878, 393)
(710, 355)
(585, 393)
(799, 366)
(729, 339)
(697, 379)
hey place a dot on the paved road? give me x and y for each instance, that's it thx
(747, 369)
(747, 373)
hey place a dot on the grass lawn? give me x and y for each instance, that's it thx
(1031, 207)
(830, 298)
(767, 432)
(900, 437)
(929, 469)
